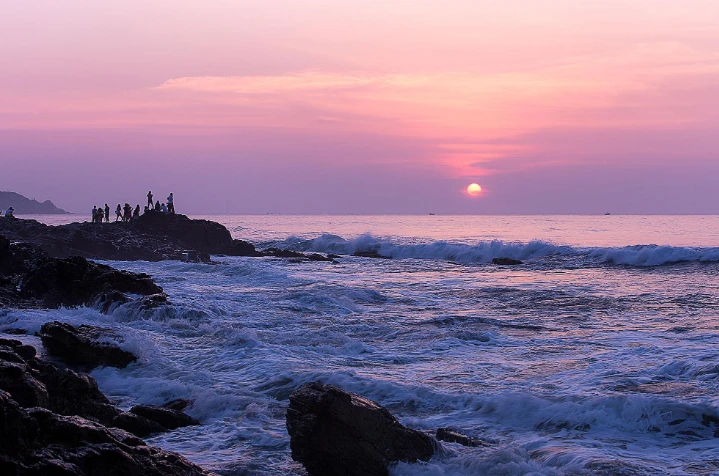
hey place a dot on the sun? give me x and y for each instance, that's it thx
(474, 189)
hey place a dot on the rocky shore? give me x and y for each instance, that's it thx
(55, 420)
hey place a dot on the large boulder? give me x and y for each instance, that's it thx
(76, 281)
(333, 431)
(81, 346)
(37, 441)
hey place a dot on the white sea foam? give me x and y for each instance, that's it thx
(583, 361)
(485, 252)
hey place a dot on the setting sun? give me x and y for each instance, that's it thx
(474, 189)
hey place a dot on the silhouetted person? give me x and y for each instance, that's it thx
(163, 208)
(149, 199)
(136, 213)
(107, 213)
(9, 212)
(157, 206)
(147, 209)
(94, 214)
(128, 212)
(100, 214)
(118, 212)
(171, 203)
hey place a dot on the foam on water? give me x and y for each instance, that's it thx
(587, 360)
(485, 252)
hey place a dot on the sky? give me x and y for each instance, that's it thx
(327, 106)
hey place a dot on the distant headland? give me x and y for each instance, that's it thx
(25, 206)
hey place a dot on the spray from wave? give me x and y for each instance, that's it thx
(486, 251)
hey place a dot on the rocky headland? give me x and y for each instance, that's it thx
(24, 205)
(154, 236)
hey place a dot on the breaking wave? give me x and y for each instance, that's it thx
(486, 251)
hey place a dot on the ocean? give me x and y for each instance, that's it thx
(598, 355)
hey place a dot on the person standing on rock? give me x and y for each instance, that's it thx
(171, 203)
(149, 199)
(107, 213)
(136, 213)
(100, 214)
(118, 212)
(94, 214)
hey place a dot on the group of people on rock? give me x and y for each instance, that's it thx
(161, 207)
(8, 212)
(127, 213)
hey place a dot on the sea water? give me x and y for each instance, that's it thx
(598, 355)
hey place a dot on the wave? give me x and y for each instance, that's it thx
(486, 251)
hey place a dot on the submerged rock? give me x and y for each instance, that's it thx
(82, 346)
(451, 436)
(506, 261)
(337, 432)
(370, 254)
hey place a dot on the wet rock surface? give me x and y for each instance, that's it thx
(452, 436)
(506, 261)
(81, 346)
(29, 278)
(56, 421)
(37, 441)
(333, 431)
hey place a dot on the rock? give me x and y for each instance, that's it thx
(451, 436)
(168, 418)
(37, 441)
(178, 404)
(242, 248)
(29, 278)
(16, 379)
(279, 253)
(506, 261)
(136, 424)
(76, 281)
(370, 254)
(154, 236)
(337, 432)
(318, 257)
(81, 346)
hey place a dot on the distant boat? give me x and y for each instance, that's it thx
(607, 213)
(431, 213)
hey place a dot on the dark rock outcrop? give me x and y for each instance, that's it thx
(166, 417)
(506, 261)
(370, 254)
(293, 255)
(451, 436)
(154, 236)
(37, 441)
(81, 346)
(32, 382)
(337, 432)
(30, 278)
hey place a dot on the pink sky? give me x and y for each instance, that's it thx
(320, 106)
